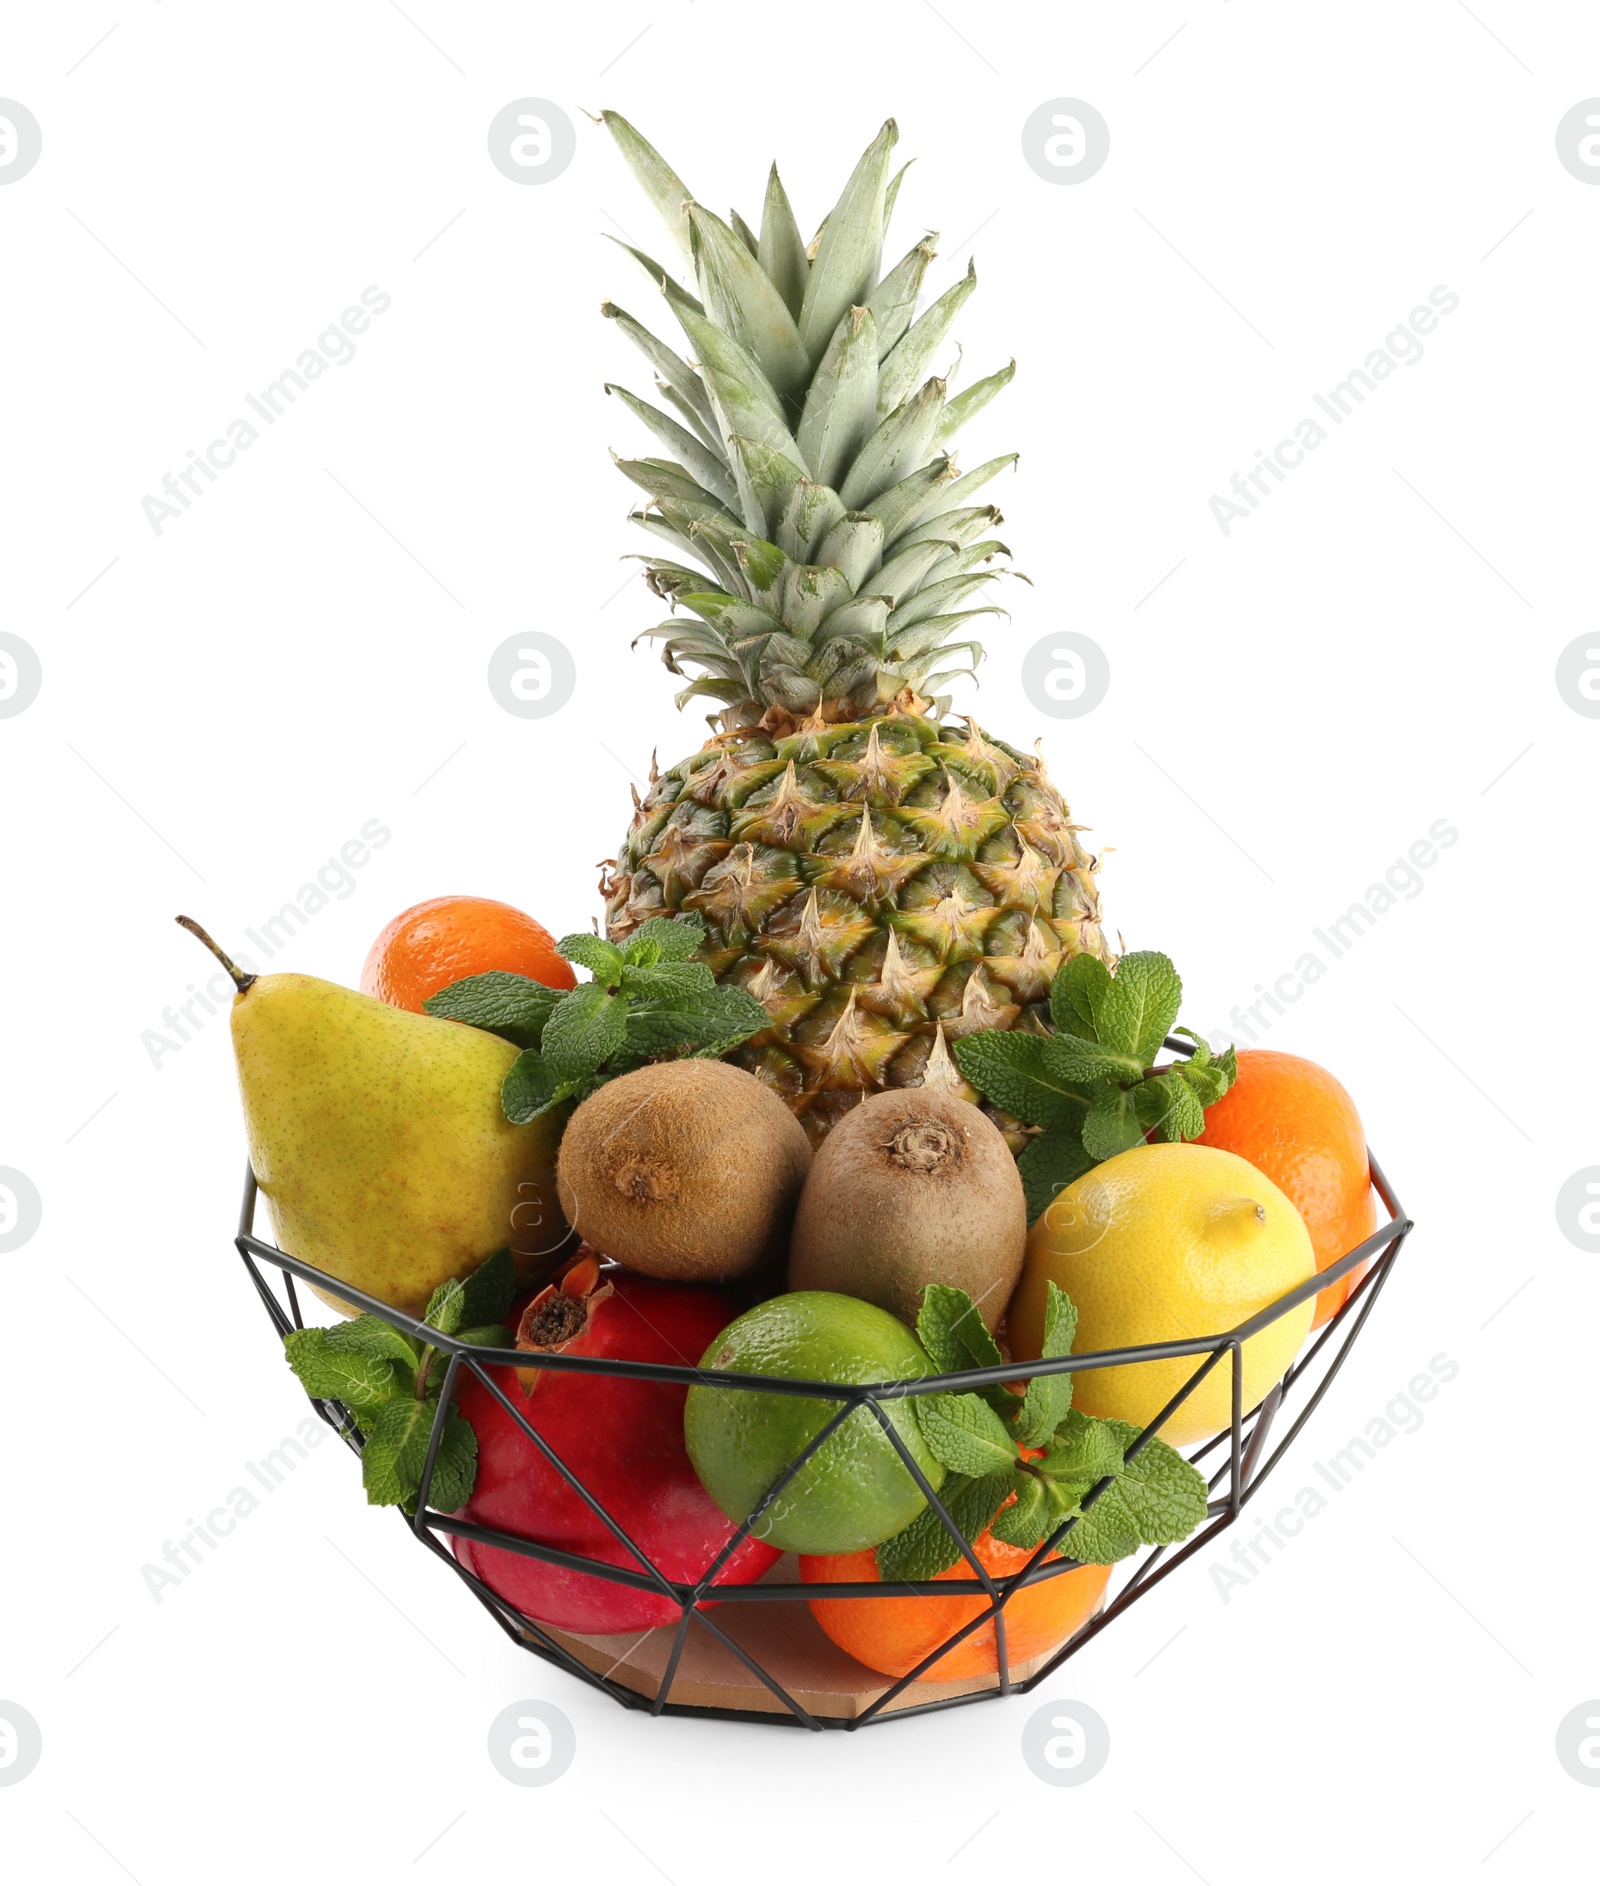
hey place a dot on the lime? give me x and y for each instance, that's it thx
(854, 1491)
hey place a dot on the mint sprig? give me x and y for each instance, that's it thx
(1092, 1087)
(647, 1001)
(386, 1381)
(1022, 1466)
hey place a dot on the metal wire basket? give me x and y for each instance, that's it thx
(1243, 1465)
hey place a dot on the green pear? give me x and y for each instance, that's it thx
(377, 1139)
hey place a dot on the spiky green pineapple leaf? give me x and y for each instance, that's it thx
(812, 511)
(899, 446)
(706, 467)
(841, 403)
(967, 405)
(780, 248)
(671, 367)
(660, 182)
(848, 251)
(911, 358)
(677, 295)
(893, 304)
(854, 547)
(743, 301)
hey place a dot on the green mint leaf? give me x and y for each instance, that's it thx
(532, 1087)
(1170, 1108)
(1079, 1062)
(1085, 1450)
(666, 939)
(951, 1330)
(704, 1024)
(490, 1290)
(359, 1381)
(1206, 1079)
(1029, 1518)
(516, 1007)
(1060, 1324)
(1166, 1497)
(966, 1434)
(664, 981)
(1145, 993)
(1073, 994)
(1228, 1061)
(1202, 1047)
(487, 1336)
(953, 1333)
(444, 1307)
(1049, 1164)
(371, 1336)
(396, 1447)
(586, 1027)
(1044, 1406)
(1011, 1070)
(455, 1467)
(603, 960)
(1156, 1497)
(925, 1548)
(1111, 1125)
(1105, 1533)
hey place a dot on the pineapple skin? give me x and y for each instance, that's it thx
(883, 885)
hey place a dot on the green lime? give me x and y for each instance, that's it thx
(855, 1491)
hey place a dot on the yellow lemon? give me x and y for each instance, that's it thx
(1160, 1244)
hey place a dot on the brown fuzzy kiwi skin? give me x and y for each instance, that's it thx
(912, 1188)
(687, 1170)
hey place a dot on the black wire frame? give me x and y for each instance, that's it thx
(1245, 1465)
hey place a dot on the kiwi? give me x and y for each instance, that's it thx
(912, 1187)
(687, 1170)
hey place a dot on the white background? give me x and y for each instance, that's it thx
(1294, 706)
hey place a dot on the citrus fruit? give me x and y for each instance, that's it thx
(1160, 1244)
(1295, 1122)
(894, 1634)
(855, 1490)
(431, 945)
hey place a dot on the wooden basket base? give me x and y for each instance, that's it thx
(784, 1639)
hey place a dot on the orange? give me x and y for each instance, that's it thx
(1293, 1121)
(894, 1634)
(431, 945)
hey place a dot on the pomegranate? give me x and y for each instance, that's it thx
(623, 1440)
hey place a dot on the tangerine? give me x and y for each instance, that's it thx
(893, 1635)
(1293, 1121)
(433, 944)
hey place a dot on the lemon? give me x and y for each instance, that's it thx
(1158, 1244)
(854, 1491)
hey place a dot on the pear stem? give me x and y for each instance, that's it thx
(242, 979)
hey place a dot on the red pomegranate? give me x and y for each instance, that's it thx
(622, 1439)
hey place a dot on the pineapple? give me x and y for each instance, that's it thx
(884, 882)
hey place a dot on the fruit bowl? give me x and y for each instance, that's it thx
(754, 1652)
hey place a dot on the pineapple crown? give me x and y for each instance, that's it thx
(811, 477)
